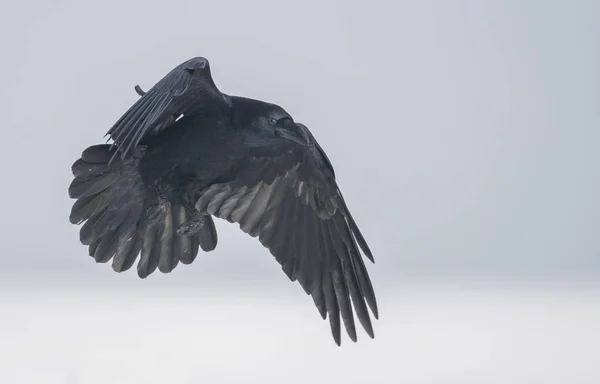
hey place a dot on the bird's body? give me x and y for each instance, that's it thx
(186, 152)
(199, 148)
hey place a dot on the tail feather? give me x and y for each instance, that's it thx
(86, 206)
(126, 256)
(86, 233)
(190, 250)
(182, 245)
(82, 169)
(167, 262)
(149, 256)
(207, 237)
(112, 202)
(106, 248)
(89, 186)
(97, 154)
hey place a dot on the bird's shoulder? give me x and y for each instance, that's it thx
(294, 163)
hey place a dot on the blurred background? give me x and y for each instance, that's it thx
(465, 139)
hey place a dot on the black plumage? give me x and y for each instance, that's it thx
(185, 152)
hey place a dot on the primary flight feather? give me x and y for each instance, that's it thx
(185, 152)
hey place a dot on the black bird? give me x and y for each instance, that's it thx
(185, 152)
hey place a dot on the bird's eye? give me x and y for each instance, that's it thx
(272, 121)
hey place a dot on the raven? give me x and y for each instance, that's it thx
(185, 152)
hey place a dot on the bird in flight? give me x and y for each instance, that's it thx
(185, 152)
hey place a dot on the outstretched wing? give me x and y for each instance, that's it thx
(189, 87)
(292, 203)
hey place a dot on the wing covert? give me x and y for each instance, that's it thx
(293, 205)
(186, 89)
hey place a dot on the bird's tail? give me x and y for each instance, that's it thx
(114, 203)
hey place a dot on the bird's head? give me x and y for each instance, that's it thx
(267, 122)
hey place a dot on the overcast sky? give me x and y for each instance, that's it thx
(464, 133)
(465, 137)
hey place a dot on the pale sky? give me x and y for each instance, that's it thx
(464, 134)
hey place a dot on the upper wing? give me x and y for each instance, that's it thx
(187, 88)
(292, 203)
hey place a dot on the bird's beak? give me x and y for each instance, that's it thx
(293, 132)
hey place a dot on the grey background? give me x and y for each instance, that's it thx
(465, 139)
(464, 133)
